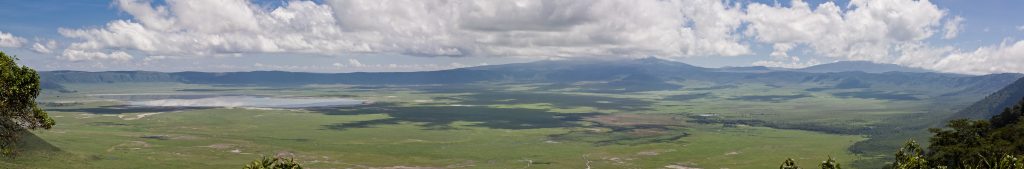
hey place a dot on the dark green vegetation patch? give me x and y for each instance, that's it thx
(441, 117)
(876, 95)
(557, 100)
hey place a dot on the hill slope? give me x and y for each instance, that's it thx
(994, 103)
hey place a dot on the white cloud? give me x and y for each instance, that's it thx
(10, 41)
(46, 48)
(781, 50)
(530, 28)
(868, 30)
(155, 58)
(39, 48)
(1005, 57)
(355, 63)
(355, 66)
(79, 55)
(953, 26)
(920, 55)
(1002, 58)
(786, 63)
(1020, 28)
(885, 31)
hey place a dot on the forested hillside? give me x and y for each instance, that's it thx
(994, 103)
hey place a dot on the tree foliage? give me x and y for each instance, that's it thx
(273, 163)
(910, 156)
(965, 143)
(789, 164)
(830, 163)
(19, 87)
(1009, 116)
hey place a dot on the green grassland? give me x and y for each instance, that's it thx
(226, 138)
(484, 126)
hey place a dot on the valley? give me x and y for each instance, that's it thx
(512, 84)
(627, 119)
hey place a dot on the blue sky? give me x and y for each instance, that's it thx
(347, 36)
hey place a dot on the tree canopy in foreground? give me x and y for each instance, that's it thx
(19, 87)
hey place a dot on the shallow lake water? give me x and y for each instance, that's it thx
(230, 101)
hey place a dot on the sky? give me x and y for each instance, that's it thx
(956, 36)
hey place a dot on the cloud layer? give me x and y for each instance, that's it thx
(529, 28)
(1004, 57)
(887, 31)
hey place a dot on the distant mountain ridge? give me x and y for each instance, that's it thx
(752, 69)
(591, 75)
(863, 66)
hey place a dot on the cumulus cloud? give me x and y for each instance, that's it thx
(148, 60)
(921, 55)
(1000, 58)
(355, 63)
(10, 41)
(356, 66)
(80, 55)
(527, 28)
(40, 48)
(45, 47)
(786, 63)
(1005, 57)
(953, 26)
(886, 31)
(868, 30)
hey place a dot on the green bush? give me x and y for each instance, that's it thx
(273, 163)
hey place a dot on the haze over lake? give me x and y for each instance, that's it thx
(228, 101)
